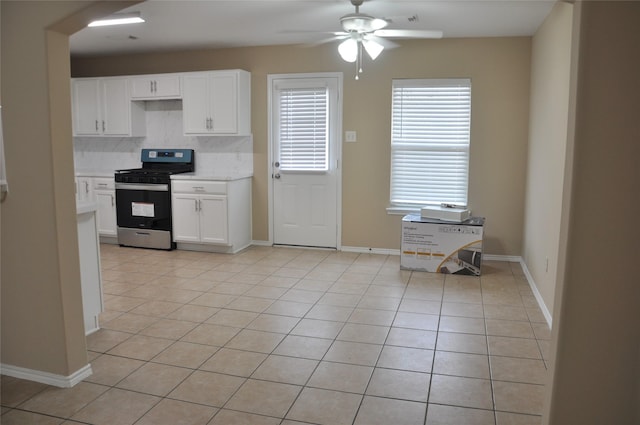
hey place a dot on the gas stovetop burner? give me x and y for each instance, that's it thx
(158, 166)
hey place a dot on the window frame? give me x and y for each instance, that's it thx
(454, 146)
(298, 88)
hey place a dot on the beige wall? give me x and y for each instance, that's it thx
(498, 67)
(42, 322)
(596, 337)
(548, 125)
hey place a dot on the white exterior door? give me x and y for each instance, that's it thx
(305, 134)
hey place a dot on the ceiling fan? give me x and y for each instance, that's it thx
(368, 33)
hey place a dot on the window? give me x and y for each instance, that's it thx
(430, 127)
(303, 120)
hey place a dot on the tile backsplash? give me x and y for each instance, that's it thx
(215, 155)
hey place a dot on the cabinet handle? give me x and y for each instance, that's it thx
(96, 125)
(199, 205)
(103, 126)
(195, 204)
(151, 86)
(155, 87)
(86, 187)
(199, 188)
(112, 201)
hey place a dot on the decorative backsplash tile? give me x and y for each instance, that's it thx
(215, 155)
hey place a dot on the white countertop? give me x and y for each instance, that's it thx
(183, 176)
(95, 173)
(83, 207)
(196, 176)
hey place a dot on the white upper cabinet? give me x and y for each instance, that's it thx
(217, 102)
(103, 107)
(156, 87)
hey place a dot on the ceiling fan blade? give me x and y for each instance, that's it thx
(409, 33)
(325, 40)
(388, 44)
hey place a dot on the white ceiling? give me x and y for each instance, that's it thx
(185, 24)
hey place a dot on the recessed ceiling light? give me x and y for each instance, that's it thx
(118, 19)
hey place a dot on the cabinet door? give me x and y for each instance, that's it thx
(83, 189)
(156, 87)
(86, 107)
(195, 104)
(106, 200)
(167, 86)
(186, 218)
(142, 88)
(116, 107)
(213, 219)
(224, 103)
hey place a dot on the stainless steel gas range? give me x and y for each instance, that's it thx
(143, 198)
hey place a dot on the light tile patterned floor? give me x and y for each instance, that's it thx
(291, 336)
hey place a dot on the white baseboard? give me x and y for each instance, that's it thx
(536, 293)
(261, 243)
(46, 377)
(505, 258)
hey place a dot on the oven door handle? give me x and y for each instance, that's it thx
(143, 186)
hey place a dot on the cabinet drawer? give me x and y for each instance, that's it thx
(195, 186)
(105, 183)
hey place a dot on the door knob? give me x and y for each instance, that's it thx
(277, 175)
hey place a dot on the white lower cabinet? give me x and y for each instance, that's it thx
(200, 218)
(100, 190)
(211, 213)
(90, 277)
(84, 189)
(104, 193)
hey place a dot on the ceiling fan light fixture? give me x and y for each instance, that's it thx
(378, 24)
(118, 19)
(373, 48)
(362, 23)
(348, 50)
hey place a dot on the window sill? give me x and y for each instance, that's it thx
(402, 210)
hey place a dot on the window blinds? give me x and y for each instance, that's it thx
(303, 128)
(430, 142)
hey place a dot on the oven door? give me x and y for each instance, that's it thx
(143, 214)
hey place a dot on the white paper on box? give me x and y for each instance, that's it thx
(457, 215)
(142, 209)
(442, 247)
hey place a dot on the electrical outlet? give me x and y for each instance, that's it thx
(350, 136)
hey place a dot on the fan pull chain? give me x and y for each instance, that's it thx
(359, 61)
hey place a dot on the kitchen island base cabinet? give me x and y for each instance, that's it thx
(90, 275)
(102, 191)
(212, 215)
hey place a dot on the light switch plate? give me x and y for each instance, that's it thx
(350, 136)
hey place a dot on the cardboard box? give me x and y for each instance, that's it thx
(442, 247)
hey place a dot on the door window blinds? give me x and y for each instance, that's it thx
(430, 142)
(303, 128)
